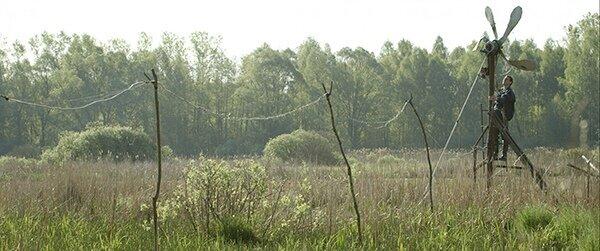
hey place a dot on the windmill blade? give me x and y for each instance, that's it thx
(490, 17)
(523, 64)
(515, 16)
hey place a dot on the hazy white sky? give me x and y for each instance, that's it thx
(244, 25)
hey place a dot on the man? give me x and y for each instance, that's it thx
(504, 108)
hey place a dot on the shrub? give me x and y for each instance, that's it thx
(302, 146)
(227, 188)
(97, 142)
(534, 218)
(235, 199)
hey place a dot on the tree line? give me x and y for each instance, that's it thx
(66, 69)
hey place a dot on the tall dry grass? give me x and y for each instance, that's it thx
(390, 187)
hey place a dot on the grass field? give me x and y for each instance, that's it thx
(257, 203)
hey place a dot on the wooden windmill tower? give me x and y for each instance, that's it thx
(492, 49)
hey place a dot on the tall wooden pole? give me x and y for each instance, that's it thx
(428, 157)
(483, 144)
(492, 141)
(349, 170)
(159, 159)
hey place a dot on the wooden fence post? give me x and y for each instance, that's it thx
(349, 170)
(159, 159)
(427, 150)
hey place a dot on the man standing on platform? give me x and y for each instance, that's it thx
(504, 109)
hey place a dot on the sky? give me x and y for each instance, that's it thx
(244, 25)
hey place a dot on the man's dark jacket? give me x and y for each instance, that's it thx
(505, 101)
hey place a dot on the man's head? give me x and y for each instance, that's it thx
(508, 80)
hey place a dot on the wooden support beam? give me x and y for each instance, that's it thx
(492, 140)
(536, 174)
(475, 166)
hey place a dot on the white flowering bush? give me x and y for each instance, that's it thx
(236, 200)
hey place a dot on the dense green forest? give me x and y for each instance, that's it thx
(73, 69)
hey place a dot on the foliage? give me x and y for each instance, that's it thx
(301, 146)
(97, 142)
(261, 206)
(581, 74)
(59, 69)
(236, 201)
(236, 147)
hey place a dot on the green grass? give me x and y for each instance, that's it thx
(257, 204)
(530, 228)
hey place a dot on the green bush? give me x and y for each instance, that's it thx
(235, 199)
(97, 142)
(534, 218)
(301, 146)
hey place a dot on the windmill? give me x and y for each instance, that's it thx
(492, 49)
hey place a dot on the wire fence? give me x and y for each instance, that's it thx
(70, 108)
(382, 124)
(228, 116)
(111, 95)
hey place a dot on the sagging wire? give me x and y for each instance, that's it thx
(383, 123)
(51, 107)
(228, 116)
(452, 131)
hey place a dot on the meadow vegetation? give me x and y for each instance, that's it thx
(98, 141)
(302, 146)
(255, 202)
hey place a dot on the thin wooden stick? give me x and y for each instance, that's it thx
(427, 150)
(474, 167)
(159, 159)
(590, 164)
(483, 131)
(582, 170)
(349, 169)
(588, 174)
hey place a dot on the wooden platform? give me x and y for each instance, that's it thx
(499, 164)
(503, 164)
